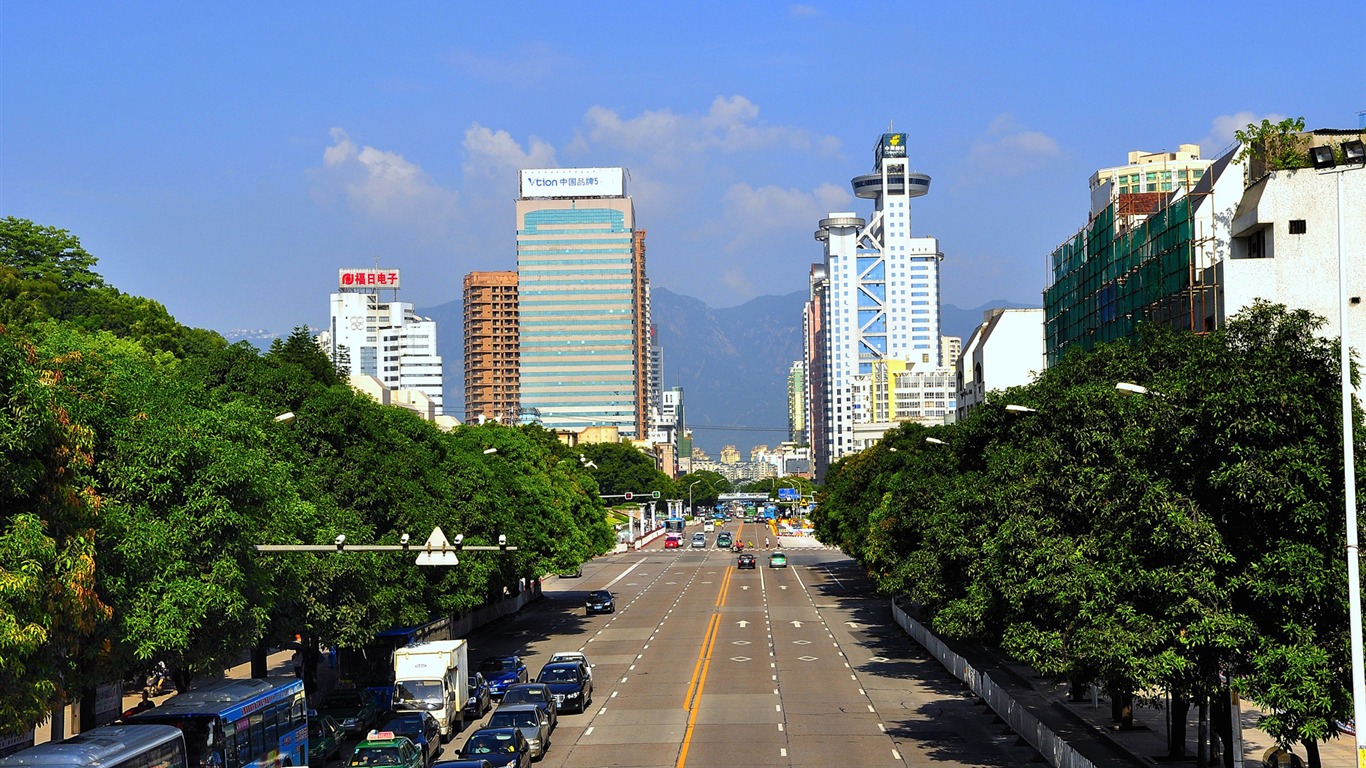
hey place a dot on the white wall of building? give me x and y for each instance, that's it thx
(1006, 350)
(386, 340)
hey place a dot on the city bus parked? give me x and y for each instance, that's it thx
(113, 746)
(239, 723)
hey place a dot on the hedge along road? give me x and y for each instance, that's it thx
(705, 665)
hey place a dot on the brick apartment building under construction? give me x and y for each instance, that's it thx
(491, 347)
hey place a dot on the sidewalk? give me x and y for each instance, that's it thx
(1086, 725)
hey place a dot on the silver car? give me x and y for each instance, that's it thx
(530, 719)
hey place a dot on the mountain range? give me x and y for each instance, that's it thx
(732, 363)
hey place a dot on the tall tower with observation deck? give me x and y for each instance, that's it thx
(880, 297)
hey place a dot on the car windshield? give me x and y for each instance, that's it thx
(473, 681)
(599, 595)
(405, 726)
(497, 665)
(566, 657)
(486, 743)
(375, 756)
(559, 675)
(533, 695)
(526, 719)
(419, 691)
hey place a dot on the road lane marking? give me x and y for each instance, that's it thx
(882, 727)
(897, 755)
(623, 574)
(588, 731)
(700, 679)
(782, 751)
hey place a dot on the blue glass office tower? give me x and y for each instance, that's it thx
(582, 301)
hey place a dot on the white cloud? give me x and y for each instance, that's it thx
(385, 187)
(804, 10)
(1222, 127)
(1008, 150)
(494, 157)
(752, 214)
(730, 125)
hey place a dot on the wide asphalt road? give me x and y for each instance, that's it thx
(707, 665)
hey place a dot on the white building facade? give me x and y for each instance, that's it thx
(882, 295)
(368, 336)
(1006, 350)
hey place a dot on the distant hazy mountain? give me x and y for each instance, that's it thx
(732, 363)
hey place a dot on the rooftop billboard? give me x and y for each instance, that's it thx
(360, 277)
(573, 182)
(890, 145)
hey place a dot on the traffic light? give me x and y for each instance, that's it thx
(654, 494)
(629, 495)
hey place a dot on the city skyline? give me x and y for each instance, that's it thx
(195, 149)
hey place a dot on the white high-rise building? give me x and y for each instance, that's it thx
(388, 340)
(882, 297)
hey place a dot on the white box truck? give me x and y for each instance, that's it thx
(432, 677)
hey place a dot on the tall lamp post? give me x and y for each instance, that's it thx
(1354, 157)
(690, 485)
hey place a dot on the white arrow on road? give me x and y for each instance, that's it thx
(782, 586)
(796, 623)
(747, 586)
(853, 624)
(742, 623)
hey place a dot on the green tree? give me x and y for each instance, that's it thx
(1278, 145)
(37, 252)
(48, 602)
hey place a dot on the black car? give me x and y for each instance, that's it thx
(353, 708)
(481, 700)
(421, 729)
(502, 747)
(463, 764)
(534, 693)
(745, 561)
(570, 684)
(599, 601)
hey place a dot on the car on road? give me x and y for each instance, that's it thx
(502, 747)
(671, 542)
(599, 601)
(777, 560)
(569, 683)
(462, 764)
(353, 708)
(534, 693)
(724, 540)
(383, 749)
(528, 718)
(503, 671)
(421, 729)
(480, 700)
(325, 737)
(746, 560)
(699, 540)
(709, 527)
(559, 656)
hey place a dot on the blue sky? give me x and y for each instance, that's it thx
(227, 159)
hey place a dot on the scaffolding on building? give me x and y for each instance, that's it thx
(1138, 260)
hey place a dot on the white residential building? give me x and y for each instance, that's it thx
(1006, 350)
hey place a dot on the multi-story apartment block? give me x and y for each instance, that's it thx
(491, 346)
(878, 292)
(582, 300)
(1148, 173)
(1193, 257)
(367, 336)
(894, 392)
(796, 402)
(1005, 351)
(950, 347)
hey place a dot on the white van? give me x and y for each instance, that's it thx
(709, 526)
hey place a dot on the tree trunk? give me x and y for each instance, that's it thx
(86, 719)
(1222, 721)
(1176, 732)
(259, 662)
(1122, 710)
(310, 654)
(1311, 752)
(1203, 747)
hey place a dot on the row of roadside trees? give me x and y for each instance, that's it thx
(1183, 543)
(140, 462)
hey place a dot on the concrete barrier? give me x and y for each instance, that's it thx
(1057, 752)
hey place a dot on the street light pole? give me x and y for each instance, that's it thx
(1349, 485)
(690, 485)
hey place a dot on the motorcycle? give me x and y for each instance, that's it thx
(738, 548)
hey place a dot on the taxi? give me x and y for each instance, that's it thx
(385, 749)
(777, 560)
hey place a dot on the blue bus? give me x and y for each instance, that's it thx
(239, 723)
(371, 666)
(113, 746)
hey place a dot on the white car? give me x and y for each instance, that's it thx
(572, 656)
(708, 527)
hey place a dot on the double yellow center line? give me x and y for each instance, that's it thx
(693, 699)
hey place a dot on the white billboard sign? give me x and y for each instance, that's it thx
(367, 278)
(573, 182)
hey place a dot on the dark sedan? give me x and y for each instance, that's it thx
(480, 699)
(502, 747)
(534, 693)
(421, 729)
(745, 561)
(502, 671)
(570, 684)
(599, 601)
